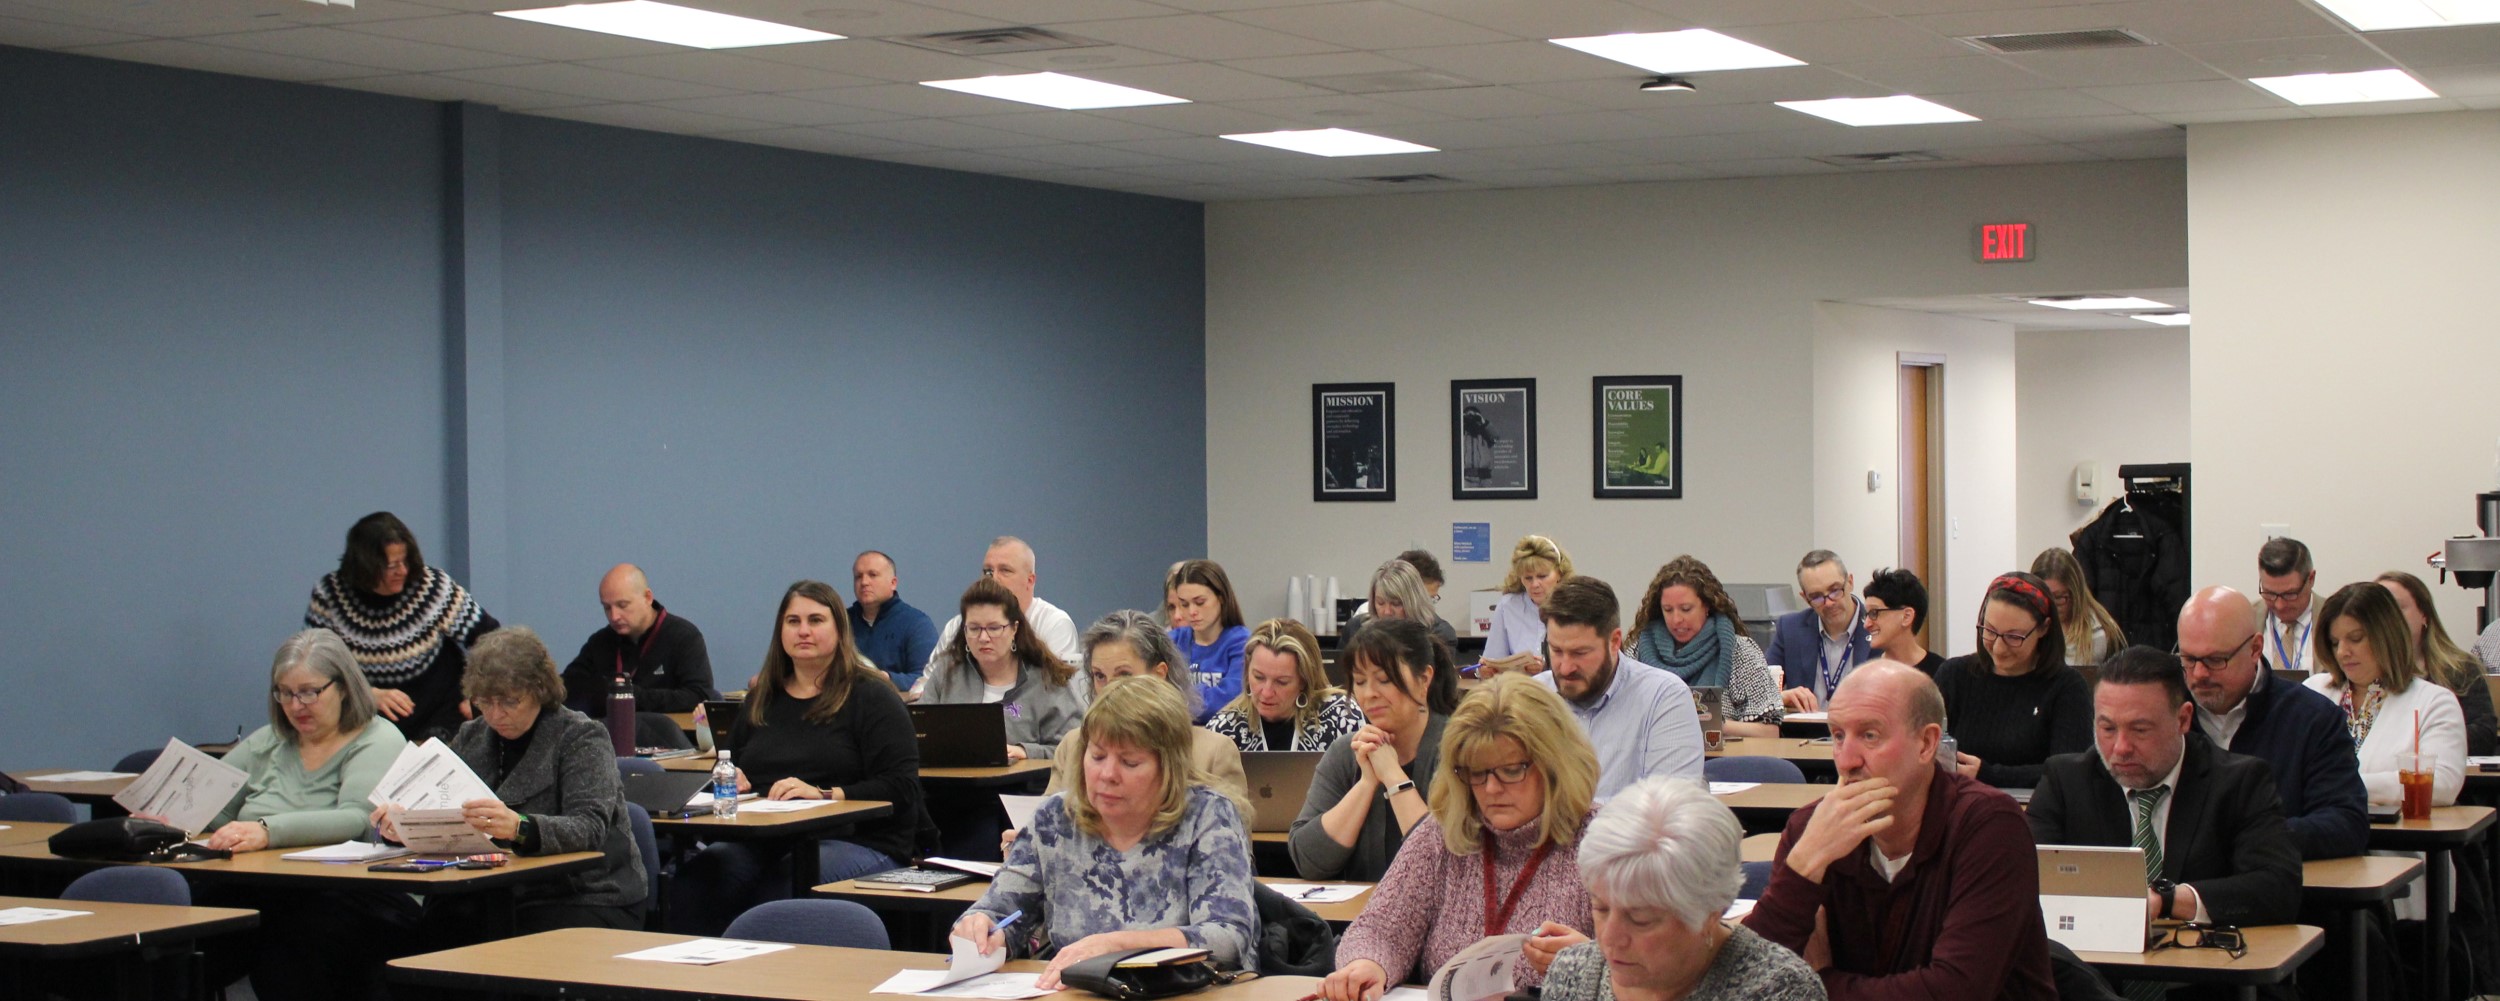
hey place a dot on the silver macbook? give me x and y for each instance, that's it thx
(1279, 782)
(2092, 899)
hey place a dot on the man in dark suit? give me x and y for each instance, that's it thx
(2240, 705)
(1816, 647)
(2208, 819)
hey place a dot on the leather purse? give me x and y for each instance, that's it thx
(129, 839)
(1117, 976)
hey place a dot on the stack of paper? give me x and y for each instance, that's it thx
(424, 790)
(1485, 970)
(1724, 788)
(185, 786)
(986, 870)
(30, 915)
(968, 974)
(81, 777)
(704, 951)
(347, 851)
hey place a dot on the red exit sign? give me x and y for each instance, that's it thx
(2000, 242)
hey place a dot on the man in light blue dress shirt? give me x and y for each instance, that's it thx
(1640, 718)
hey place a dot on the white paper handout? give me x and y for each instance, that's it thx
(983, 869)
(1317, 893)
(780, 805)
(440, 832)
(30, 915)
(81, 777)
(185, 786)
(1737, 909)
(1406, 994)
(704, 951)
(428, 776)
(968, 974)
(1724, 788)
(1485, 970)
(1824, 718)
(1020, 809)
(348, 851)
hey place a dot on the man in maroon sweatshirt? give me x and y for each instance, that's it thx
(1907, 881)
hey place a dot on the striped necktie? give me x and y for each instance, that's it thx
(2146, 801)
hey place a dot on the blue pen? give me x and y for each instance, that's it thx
(1010, 919)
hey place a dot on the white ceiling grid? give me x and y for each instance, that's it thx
(1506, 107)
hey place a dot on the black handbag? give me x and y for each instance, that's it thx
(1104, 975)
(129, 839)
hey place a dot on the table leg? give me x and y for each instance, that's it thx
(2360, 932)
(2248, 992)
(2442, 875)
(806, 867)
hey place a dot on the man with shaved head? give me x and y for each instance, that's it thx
(662, 653)
(1907, 880)
(2241, 706)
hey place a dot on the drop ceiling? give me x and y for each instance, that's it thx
(1475, 78)
(2016, 309)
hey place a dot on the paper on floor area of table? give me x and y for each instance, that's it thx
(1724, 788)
(781, 805)
(83, 777)
(987, 870)
(964, 963)
(30, 915)
(184, 785)
(1020, 809)
(1316, 893)
(348, 851)
(704, 951)
(429, 776)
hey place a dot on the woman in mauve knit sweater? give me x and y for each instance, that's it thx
(1517, 786)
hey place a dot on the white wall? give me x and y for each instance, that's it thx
(1718, 281)
(1857, 386)
(2341, 377)
(2110, 397)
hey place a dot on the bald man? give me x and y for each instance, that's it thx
(1907, 880)
(662, 653)
(2243, 707)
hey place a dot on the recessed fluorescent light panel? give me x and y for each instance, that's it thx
(1056, 90)
(2165, 319)
(1331, 142)
(2388, 15)
(1900, 109)
(675, 25)
(2345, 88)
(1694, 50)
(2100, 302)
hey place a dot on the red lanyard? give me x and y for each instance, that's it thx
(649, 636)
(1496, 920)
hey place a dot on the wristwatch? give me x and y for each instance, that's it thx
(2169, 895)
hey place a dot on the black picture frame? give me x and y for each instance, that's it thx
(1493, 444)
(1354, 443)
(1625, 414)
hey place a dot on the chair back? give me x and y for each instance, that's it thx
(138, 761)
(38, 808)
(1757, 879)
(1751, 768)
(812, 922)
(647, 841)
(131, 884)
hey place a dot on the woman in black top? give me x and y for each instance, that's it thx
(821, 723)
(2015, 702)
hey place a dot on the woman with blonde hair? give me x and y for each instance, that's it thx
(2092, 634)
(1398, 592)
(2454, 669)
(1496, 856)
(1517, 640)
(1286, 702)
(1137, 853)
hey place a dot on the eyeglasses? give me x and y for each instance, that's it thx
(1510, 775)
(2212, 664)
(1992, 637)
(1828, 595)
(2279, 597)
(299, 696)
(1000, 629)
(501, 704)
(1872, 612)
(2193, 935)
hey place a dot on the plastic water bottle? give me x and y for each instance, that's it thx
(725, 787)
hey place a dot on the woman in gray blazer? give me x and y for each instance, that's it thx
(554, 774)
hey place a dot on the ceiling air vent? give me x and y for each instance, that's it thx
(2092, 39)
(1880, 159)
(995, 41)
(1408, 179)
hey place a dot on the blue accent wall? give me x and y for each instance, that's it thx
(235, 315)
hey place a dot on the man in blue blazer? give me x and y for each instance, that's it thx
(1818, 646)
(2300, 733)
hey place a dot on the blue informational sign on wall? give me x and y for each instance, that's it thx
(1471, 542)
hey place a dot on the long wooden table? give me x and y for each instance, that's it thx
(582, 963)
(1029, 770)
(27, 832)
(97, 794)
(808, 825)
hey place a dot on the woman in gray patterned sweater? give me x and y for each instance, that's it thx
(1661, 866)
(1138, 853)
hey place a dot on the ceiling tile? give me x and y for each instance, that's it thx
(2189, 22)
(1731, 13)
(1073, 126)
(2281, 56)
(1638, 172)
(2208, 95)
(876, 60)
(398, 55)
(1464, 135)
(610, 85)
(435, 88)
(655, 119)
(1209, 6)
(1324, 64)
(1692, 149)
(1860, 40)
(1945, 76)
(857, 18)
(2383, 108)
(1770, 167)
(219, 59)
(1085, 61)
(1484, 102)
(1217, 173)
(194, 18)
(1841, 140)
(1536, 179)
(2025, 104)
(2012, 20)
(507, 36)
(2003, 156)
(1720, 119)
(1201, 119)
(828, 141)
(2101, 128)
(1200, 36)
(944, 134)
(1338, 110)
(1945, 6)
(730, 72)
(1516, 62)
(1558, 18)
(1587, 126)
(2466, 45)
(1561, 155)
(965, 160)
(2139, 149)
(2463, 81)
(1740, 87)
(47, 35)
(2158, 64)
(1074, 155)
(777, 109)
(1207, 82)
(1051, 11)
(1196, 149)
(2285, 113)
(911, 100)
(1369, 24)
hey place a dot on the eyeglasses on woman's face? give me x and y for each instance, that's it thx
(1510, 775)
(299, 696)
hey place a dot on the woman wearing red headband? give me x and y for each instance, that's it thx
(2015, 702)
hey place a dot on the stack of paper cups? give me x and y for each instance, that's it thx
(1297, 601)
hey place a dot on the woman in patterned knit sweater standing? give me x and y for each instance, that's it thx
(408, 624)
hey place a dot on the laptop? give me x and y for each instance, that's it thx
(1279, 782)
(664, 794)
(2092, 898)
(1709, 708)
(718, 716)
(960, 735)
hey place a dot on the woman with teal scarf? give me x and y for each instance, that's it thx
(1687, 624)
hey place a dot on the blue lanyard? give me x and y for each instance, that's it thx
(1823, 666)
(2282, 656)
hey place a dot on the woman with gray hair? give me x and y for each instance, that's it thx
(1398, 593)
(553, 771)
(1661, 865)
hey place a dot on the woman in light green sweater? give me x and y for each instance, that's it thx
(306, 778)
